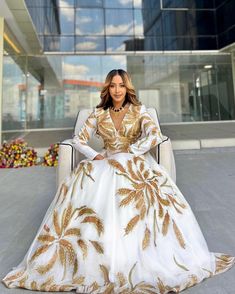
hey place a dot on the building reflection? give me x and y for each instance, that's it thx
(164, 44)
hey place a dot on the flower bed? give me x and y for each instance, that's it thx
(51, 156)
(16, 154)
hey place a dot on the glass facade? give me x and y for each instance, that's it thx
(182, 87)
(225, 22)
(131, 25)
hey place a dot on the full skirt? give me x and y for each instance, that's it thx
(118, 225)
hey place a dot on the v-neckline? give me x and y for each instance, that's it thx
(117, 130)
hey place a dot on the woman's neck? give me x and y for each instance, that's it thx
(119, 104)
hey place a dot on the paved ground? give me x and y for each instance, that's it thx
(206, 177)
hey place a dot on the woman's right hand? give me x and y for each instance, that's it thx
(99, 157)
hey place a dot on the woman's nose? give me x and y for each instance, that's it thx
(117, 89)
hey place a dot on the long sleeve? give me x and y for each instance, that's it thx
(151, 135)
(86, 132)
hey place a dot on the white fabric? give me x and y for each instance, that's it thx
(122, 251)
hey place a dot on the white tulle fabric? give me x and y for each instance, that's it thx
(118, 225)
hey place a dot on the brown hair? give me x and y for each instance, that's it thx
(106, 100)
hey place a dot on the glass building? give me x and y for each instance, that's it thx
(55, 54)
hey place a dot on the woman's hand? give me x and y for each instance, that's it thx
(99, 157)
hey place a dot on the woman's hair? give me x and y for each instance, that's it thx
(106, 100)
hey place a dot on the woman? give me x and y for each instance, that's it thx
(118, 224)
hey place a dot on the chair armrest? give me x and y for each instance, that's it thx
(66, 160)
(165, 157)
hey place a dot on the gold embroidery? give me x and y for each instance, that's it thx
(73, 231)
(39, 251)
(15, 276)
(82, 244)
(117, 165)
(105, 272)
(180, 265)
(146, 240)
(75, 268)
(223, 262)
(132, 223)
(193, 281)
(96, 221)
(98, 247)
(121, 279)
(166, 223)
(84, 169)
(64, 248)
(178, 235)
(146, 193)
(45, 268)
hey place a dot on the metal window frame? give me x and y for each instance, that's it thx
(174, 9)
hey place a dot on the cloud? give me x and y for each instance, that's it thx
(137, 3)
(79, 31)
(85, 19)
(120, 60)
(121, 48)
(86, 46)
(72, 71)
(120, 29)
(65, 12)
(125, 2)
(64, 3)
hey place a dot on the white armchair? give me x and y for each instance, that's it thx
(69, 157)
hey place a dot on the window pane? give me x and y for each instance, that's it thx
(190, 4)
(203, 22)
(89, 3)
(226, 38)
(189, 43)
(118, 3)
(153, 43)
(147, 4)
(33, 3)
(90, 44)
(67, 44)
(67, 20)
(14, 111)
(123, 43)
(51, 43)
(119, 22)
(65, 3)
(89, 21)
(175, 22)
(225, 16)
(139, 26)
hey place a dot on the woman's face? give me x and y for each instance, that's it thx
(117, 90)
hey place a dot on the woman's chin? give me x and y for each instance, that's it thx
(118, 100)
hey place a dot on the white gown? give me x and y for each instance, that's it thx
(118, 225)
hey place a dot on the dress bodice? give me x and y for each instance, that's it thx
(128, 132)
(138, 133)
